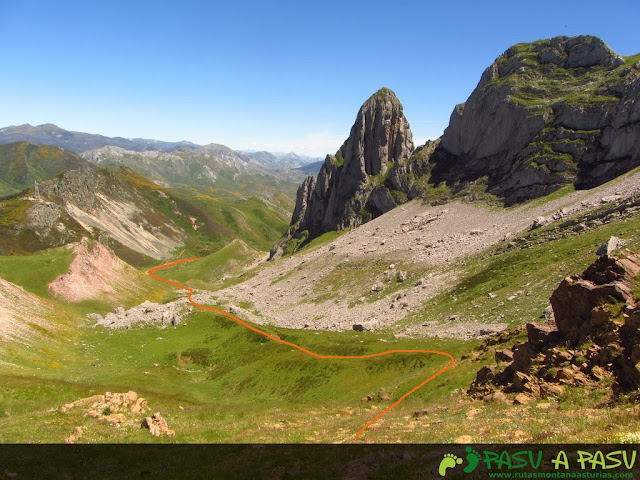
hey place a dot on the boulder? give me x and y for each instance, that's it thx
(543, 334)
(504, 355)
(610, 246)
(485, 375)
(551, 390)
(598, 373)
(523, 355)
(523, 399)
(548, 314)
(498, 397)
(558, 356)
(523, 383)
(157, 425)
(539, 222)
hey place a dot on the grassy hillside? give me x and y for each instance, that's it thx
(35, 272)
(521, 281)
(216, 269)
(213, 217)
(256, 221)
(23, 163)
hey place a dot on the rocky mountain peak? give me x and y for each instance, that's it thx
(545, 114)
(380, 135)
(340, 197)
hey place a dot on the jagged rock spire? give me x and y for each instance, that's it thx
(379, 138)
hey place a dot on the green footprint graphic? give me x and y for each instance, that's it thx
(449, 461)
(473, 457)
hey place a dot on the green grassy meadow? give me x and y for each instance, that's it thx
(233, 385)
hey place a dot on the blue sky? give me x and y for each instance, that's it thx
(273, 75)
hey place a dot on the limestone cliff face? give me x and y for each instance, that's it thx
(348, 190)
(546, 114)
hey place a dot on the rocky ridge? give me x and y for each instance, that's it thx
(49, 134)
(202, 166)
(97, 203)
(592, 337)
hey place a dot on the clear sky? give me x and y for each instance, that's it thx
(273, 75)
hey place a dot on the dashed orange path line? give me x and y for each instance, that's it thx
(302, 349)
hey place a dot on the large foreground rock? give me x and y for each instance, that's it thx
(595, 336)
(583, 304)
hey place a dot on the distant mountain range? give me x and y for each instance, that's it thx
(49, 134)
(79, 142)
(291, 159)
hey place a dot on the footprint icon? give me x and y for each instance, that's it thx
(449, 461)
(473, 457)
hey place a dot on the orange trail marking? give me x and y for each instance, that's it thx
(302, 349)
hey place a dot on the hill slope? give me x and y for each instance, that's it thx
(22, 163)
(387, 272)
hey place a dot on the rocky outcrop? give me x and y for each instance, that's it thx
(545, 114)
(594, 334)
(303, 197)
(379, 138)
(117, 409)
(349, 189)
(582, 304)
(147, 313)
